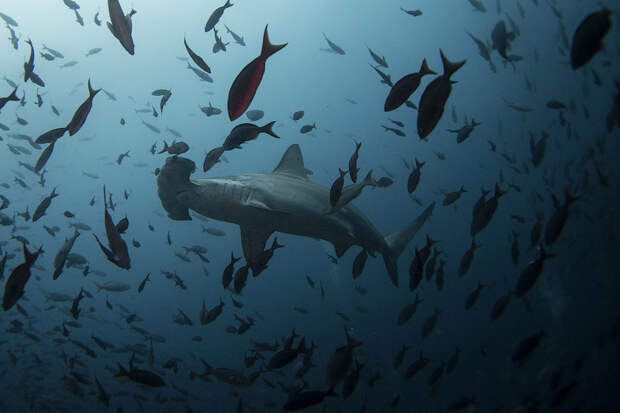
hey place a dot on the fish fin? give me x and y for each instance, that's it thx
(253, 241)
(397, 242)
(172, 180)
(106, 251)
(449, 68)
(425, 70)
(268, 129)
(268, 48)
(292, 163)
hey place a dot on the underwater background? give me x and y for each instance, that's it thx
(47, 362)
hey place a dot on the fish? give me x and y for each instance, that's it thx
(246, 132)
(350, 192)
(42, 207)
(151, 127)
(394, 130)
(56, 53)
(467, 258)
(435, 96)
(93, 51)
(472, 298)
(588, 38)
(478, 6)
(404, 87)
(297, 115)
(210, 110)
(527, 346)
(113, 286)
(301, 200)
(96, 19)
(117, 252)
(556, 223)
(414, 13)
(80, 115)
(176, 148)
(414, 176)
(336, 189)
(216, 15)
(120, 25)
(196, 58)
(307, 128)
(341, 361)
(204, 76)
(45, 155)
(15, 284)
(8, 20)
(385, 78)
(75, 311)
(61, 256)
(408, 311)
(238, 39)
(246, 83)
(255, 114)
(531, 273)
(501, 39)
(463, 133)
(145, 377)
(452, 197)
(379, 59)
(353, 169)
(10, 98)
(333, 47)
(69, 64)
(78, 18)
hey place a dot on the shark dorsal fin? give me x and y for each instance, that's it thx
(292, 163)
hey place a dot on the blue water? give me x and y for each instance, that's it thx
(574, 301)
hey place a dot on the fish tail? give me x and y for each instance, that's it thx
(419, 164)
(92, 92)
(268, 48)
(165, 148)
(227, 4)
(369, 180)
(425, 70)
(397, 242)
(13, 96)
(449, 68)
(268, 129)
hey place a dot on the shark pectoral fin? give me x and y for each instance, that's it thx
(253, 241)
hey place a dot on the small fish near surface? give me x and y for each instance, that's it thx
(246, 83)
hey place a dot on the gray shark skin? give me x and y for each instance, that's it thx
(283, 201)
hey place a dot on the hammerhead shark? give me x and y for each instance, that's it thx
(284, 200)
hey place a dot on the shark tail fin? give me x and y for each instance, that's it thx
(172, 180)
(397, 242)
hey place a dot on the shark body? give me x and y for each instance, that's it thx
(284, 200)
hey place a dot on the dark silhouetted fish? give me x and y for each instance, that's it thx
(14, 287)
(80, 115)
(435, 96)
(11, 98)
(246, 132)
(588, 38)
(118, 253)
(197, 59)
(402, 89)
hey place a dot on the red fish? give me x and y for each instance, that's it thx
(246, 83)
